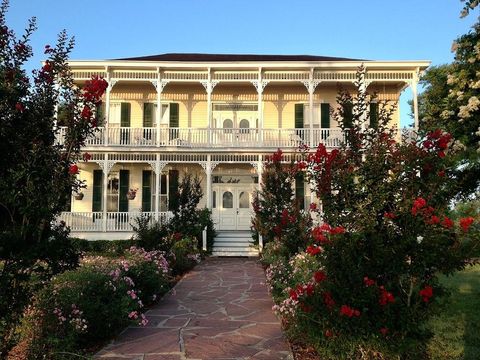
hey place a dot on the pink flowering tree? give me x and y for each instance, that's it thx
(37, 175)
(385, 238)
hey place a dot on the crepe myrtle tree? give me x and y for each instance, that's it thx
(37, 175)
(386, 236)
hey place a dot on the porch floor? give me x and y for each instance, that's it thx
(220, 310)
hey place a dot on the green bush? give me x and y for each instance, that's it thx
(205, 220)
(111, 248)
(81, 308)
(185, 255)
(150, 235)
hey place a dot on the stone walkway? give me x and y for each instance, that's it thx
(220, 310)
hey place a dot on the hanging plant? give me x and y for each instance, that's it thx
(132, 193)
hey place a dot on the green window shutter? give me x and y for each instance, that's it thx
(348, 115)
(97, 190)
(147, 115)
(300, 190)
(123, 189)
(100, 114)
(325, 109)
(373, 115)
(173, 190)
(125, 115)
(147, 190)
(298, 116)
(174, 115)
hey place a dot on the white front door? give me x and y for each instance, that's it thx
(234, 207)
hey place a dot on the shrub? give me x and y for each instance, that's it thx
(185, 255)
(110, 248)
(80, 308)
(205, 220)
(150, 235)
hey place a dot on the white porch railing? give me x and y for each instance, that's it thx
(114, 221)
(219, 138)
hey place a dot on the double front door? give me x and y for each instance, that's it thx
(234, 207)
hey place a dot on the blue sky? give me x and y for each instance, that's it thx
(367, 29)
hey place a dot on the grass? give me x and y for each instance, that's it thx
(457, 329)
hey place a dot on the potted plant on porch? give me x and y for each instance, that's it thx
(79, 195)
(132, 193)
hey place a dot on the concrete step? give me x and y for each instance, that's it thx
(231, 244)
(234, 234)
(232, 248)
(249, 253)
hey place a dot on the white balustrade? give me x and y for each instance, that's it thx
(221, 137)
(115, 221)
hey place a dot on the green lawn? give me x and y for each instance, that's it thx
(457, 329)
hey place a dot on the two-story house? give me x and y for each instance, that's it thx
(216, 116)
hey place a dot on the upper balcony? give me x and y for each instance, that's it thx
(198, 138)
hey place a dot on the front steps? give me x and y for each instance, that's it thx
(233, 243)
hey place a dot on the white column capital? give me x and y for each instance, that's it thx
(111, 84)
(311, 85)
(260, 85)
(159, 84)
(209, 85)
(106, 165)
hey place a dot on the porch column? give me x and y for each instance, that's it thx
(209, 85)
(259, 170)
(311, 85)
(208, 171)
(111, 84)
(105, 170)
(413, 85)
(260, 86)
(157, 183)
(159, 85)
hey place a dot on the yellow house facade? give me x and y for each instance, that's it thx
(215, 116)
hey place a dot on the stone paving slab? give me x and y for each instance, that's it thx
(219, 311)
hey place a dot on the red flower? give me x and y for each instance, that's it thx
(434, 220)
(73, 169)
(86, 156)
(348, 311)
(277, 156)
(301, 165)
(47, 67)
(293, 294)
(328, 300)
(19, 107)
(447, 223)
(441, 154)
(441, 173)
(389, 215)
(418, 204)
(384, 331)
(386, 297)
(368, 282)
(328, 333)
(313, 207)
(465, 223)
(318, 235)
(86, 112)
(426, 293)
(314, 250)
(337, 230)
(319, 276)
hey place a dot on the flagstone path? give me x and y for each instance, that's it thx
(220, 310)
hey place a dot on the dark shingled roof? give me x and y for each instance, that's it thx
(234, 57)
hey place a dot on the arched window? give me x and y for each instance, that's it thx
(243, 200)
(227, 125)
(227, 200)
(244, 126)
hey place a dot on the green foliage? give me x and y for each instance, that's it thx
(205, 221)
(185, 215)
(150, 235)
(369, 281)
(185, 255)
(37, 175)
(110, 248)
(451, 101)
(80, 308)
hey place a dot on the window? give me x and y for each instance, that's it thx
(112, 192)
(227, 200)
(214, 199)
(243, 200)
(227, 125)
(244, 126)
